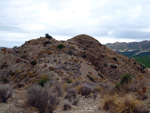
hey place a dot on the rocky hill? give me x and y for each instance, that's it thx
(79, 52)
(80, 59)
(1, 48)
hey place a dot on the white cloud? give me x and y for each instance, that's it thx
(112, 19)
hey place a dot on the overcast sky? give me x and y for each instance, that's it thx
(106, 20)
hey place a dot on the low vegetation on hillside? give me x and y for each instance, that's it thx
(74, 76)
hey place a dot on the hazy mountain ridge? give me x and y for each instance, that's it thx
(123, 46)
(137, 50)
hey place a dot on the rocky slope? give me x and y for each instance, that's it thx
(79, 53)
(80, 59)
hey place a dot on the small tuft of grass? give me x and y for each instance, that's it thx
(5, 80)
(61, 46)
(126, 104)
(69, 80)
(125, 79)
(43, 80)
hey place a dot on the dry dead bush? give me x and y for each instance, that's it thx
(75, 101)
(127, 104)
(72, 96)
(54, 86)
(131, 105)
(37, 97)
(71, 93)
(18, 60)
(109, 103)
(98, 89)
(106, 89)
(142, 92)
(59, 89)
(135, 84)
(42, 99)
(76, 83)
(86, 90)
(6, 91)
(67, 105)
(52, 103)
(94, 96)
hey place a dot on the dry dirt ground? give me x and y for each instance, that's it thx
(17, 104)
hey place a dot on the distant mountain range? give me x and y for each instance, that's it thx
(137, 50)
(123, 46)
(1, 48)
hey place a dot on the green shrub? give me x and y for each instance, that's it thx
(61, 46)
(101, 75)
(43, 80)
(84, 56)
(113, 66)
(105, 65)
(115, 59)
(117, 86)
(48, 36)
(126, 78)
(69, 80)
(34, 62)
(90, 78)
(5, 80)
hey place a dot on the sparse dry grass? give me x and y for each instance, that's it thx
(109, 103)
(64, 86)
(45, 51)
(29, 74)
(51, 68)
(78, 87)
(127, 104)
(98, 89)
